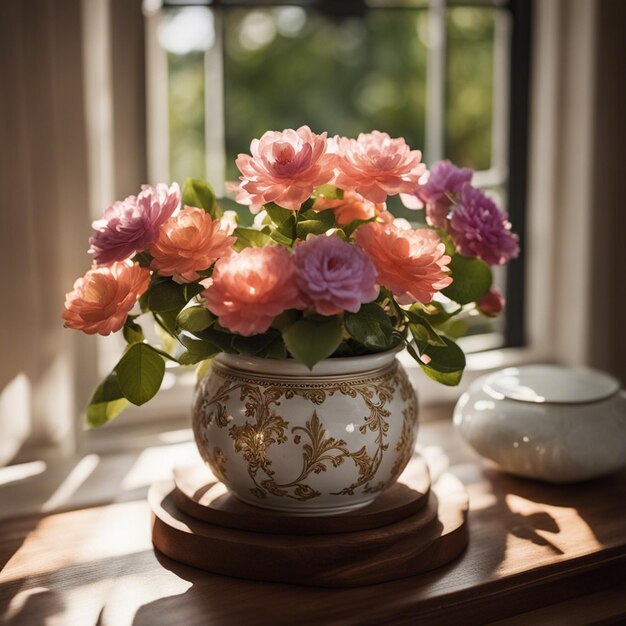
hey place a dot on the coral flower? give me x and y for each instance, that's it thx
(375, 165)
(351, 207)
(480, 229)
(102, 298)
(132, 225)
(334, 276)
(444, 182)
(285, 168)
(188, 243)
(412, 264)
(248, 290)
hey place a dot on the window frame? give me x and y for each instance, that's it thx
(170, 412)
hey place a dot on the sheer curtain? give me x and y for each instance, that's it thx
(43, 214)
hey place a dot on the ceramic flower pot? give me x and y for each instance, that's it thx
(306, 442)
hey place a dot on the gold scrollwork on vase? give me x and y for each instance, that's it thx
(265, 428)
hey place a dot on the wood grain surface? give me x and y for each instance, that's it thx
(559, 552)
(199, 494)
(433, 536)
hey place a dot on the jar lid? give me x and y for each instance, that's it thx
(551, 383)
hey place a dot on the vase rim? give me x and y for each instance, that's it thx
(292, 368)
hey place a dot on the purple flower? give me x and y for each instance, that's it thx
(445, 179)
(133, 224)
(480, 229)
(333, 275)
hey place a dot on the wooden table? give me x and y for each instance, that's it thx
(558, 552)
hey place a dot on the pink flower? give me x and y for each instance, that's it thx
(333, 275)
(131, 225)
(444, 183)
(248, 290)
(412, 264)
(188, 243)
(480, 229)
(102, 298)
(375, 165)
(492, 303)
(351, 207)
(285, 168)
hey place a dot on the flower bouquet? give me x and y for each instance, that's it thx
(325, 271)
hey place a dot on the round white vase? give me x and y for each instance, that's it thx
(546, 422)
(319, 442)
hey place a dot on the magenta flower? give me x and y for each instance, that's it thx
(480, 229)
(446, 180)
(133, 224)
(377, 166)
(333, 275)
(285, 168)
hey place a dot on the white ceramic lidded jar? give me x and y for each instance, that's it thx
(319, 442)
(547, 422)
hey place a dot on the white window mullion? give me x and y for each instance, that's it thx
(436, 82)
(157, 97)
(214, 123)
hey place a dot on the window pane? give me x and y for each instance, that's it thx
(469, 86)
(186, 115)
(284, 67)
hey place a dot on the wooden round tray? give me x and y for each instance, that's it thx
(433, 536)
(199, 494)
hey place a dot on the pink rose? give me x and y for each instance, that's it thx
(492, 303)
(102, 298)
(132, 225)
(188, 243)
(285, 168)
(351, 207)
(249, 289)
(412, 264)
(333, 275)
(375, 165)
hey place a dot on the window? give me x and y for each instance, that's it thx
(451, 77)
(436, 73)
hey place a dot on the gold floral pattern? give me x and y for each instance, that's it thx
(265, 428)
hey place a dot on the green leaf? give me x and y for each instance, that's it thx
(221, 339)
(140, 373)
(107, 402)
(421, 328)
(329, 191)
(143, 258)
(446, 363)
(198, 193)
(203, 369)
(371, 327)
(133, 333)
(285, 319)
(354, 224)
(277, 214)
(314, 223)
(311, 340)
(166, 295)
(285, 232)
(471, 279)
(251, 238)
(276, 350)
(194, 319)
(256, 345)
(196, 350)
